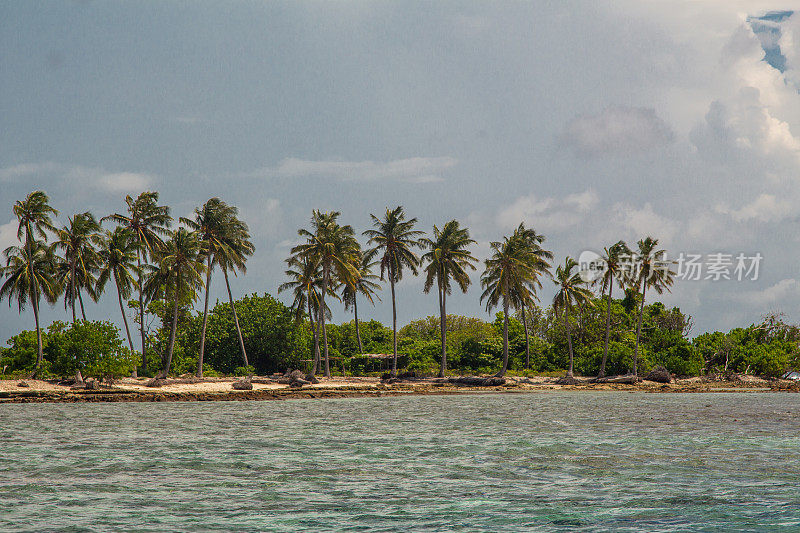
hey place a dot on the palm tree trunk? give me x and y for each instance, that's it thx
(72, 289)
(39, 346)
(171, 344)
(205, 322)
(315, 332)
(235, 318)
(141, 312)
(124, 318)
(358, 333)
(80, 299)
(638, 333)
(443, 330)
(505, 339)
(527, 342)
(569, 340)
(602, 373)
(322, 321)
(394, 326)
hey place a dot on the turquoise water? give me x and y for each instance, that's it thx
(551, 461)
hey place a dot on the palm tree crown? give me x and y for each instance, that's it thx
(76, 240)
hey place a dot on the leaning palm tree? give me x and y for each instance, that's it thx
(30, 273)
(226, 241)
(652, 271)
(613, 272)
(76, 242)
(117, 259)
(305, 279)
(508, 273)
(362, 282)
(179, 276)
(540, 265)
(448, 257)
(148, 223)
(393, 239)
(572, 292)
(333, 246)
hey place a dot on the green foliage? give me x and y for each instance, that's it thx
(20, 357)
(274, 340)
(93, 348)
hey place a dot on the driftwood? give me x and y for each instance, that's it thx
(628, 379)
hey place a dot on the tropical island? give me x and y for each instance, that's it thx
(259, 347)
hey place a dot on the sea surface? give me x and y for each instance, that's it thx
(549, 461)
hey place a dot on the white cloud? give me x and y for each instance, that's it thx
(782, 291)
(414, 169)
(765, 208)
(645, 221)
(8, 235)
(617, 130)
(548, 214)
(89, 177)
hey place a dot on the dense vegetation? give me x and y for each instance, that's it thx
(158, 274)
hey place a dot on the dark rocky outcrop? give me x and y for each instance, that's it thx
(567, 380)
(659, 374)
(243, 384)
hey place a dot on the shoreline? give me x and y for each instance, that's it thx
(220, 389)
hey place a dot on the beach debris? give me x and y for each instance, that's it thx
(156, 382)
(659, 374)
(22, 384)
(628, 379)
(311, 378)
(567, 380)
(92, 384)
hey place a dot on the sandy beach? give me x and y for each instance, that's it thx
(268, 388)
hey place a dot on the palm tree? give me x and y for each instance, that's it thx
(305, 276)
(447, 257)
(652, 271)
(508, 273)
(613, 271)
(30, 275)
(393, 239)
(225, 240)
(117, 258)
(76, 241)
(179, 275)
(362, 282)
(333, 246)
(571, 292)
(148, 222)
(34, 218)
(540, 265)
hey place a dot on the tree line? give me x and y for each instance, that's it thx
(164, 270)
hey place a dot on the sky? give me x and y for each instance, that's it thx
(590, 123)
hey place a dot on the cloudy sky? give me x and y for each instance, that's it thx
(591, 124)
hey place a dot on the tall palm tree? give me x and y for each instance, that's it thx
(305, 280)
(362, 282)
(572, 292)
(613, 272)
(80, 258)
(393, 239)
(540, 265)
(179, 275)
(30, 273)
(652, 271)
(34, 220)
(509, 272)
(448, 257)
(225, 240)
(148, 223)
(117, 259)
(333, 246)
